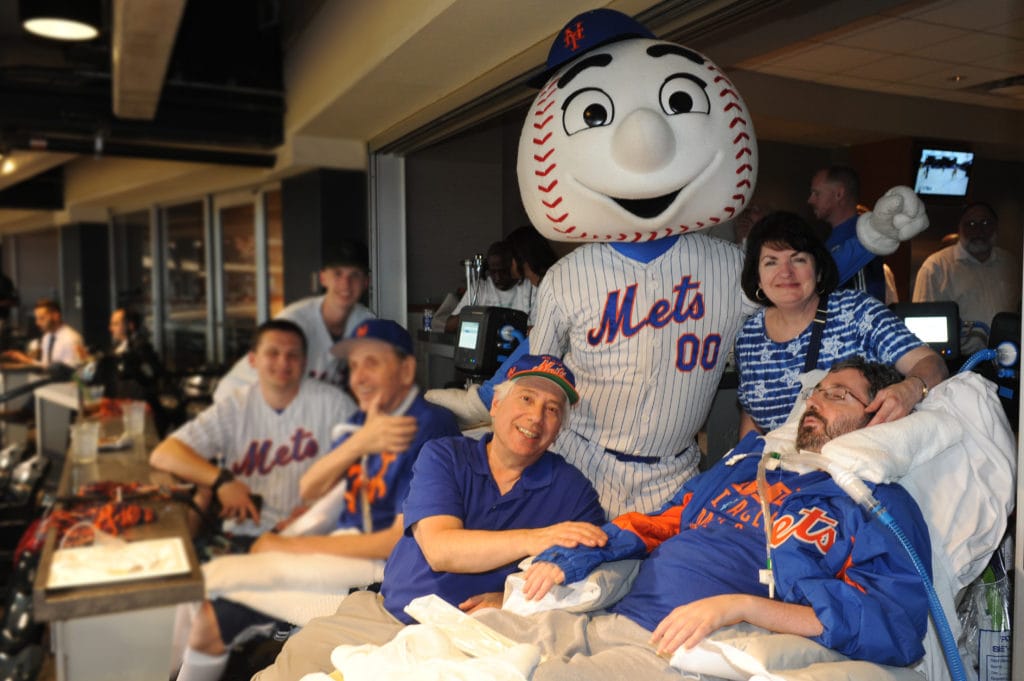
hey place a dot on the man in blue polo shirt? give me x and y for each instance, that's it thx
(473, 511)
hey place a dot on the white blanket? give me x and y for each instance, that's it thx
(316, 583)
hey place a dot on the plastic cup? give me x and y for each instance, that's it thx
(134, 416)
(85, 441)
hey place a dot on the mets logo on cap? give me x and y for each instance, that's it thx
(546, 366)
(361, 332)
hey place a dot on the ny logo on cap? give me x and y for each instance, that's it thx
(573, 37)
(362, 330)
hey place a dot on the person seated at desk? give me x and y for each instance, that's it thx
(132, 370)
(474, 509)
(840, 578)
(324, 319)
(266, 435)
(374, 459)
(499, 289)
(60, 344)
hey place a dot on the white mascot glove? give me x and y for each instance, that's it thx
(899, 215)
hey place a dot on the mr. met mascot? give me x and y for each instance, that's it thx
(632, 147)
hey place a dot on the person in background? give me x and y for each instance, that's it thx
(60, 344)
(981, 278)
(790, 271)
(834, 195)
(499, 289)
(532, 256)
(747, 218)
(324, 319)
(474, 510)
(132, 370)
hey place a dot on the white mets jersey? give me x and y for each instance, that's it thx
(266, 449)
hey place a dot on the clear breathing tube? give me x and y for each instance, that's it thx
(859, 492)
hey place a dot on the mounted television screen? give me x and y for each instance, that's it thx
(943, 172)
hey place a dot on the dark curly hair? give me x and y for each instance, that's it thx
(783, 230)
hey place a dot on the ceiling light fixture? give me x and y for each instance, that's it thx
(61, 19)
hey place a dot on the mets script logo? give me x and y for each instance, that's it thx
(261, 457)
(573, 36)
(622, 316)
(740, 505)
(546, 366)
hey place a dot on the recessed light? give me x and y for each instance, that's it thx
(956, 78)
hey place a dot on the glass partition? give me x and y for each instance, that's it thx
(186, 287)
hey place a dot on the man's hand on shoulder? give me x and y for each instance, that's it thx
(569, 534)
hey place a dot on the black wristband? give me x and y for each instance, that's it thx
(223, 476)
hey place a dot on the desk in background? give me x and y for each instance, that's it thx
(121, 630)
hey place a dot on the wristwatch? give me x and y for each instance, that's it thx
(223, 476)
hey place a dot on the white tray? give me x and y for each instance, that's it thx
(117, 562)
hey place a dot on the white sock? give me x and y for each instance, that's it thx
(197, 666)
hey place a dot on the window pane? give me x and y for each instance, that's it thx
(275, 252)
(185, 286)
(239, 248)
(133, 264)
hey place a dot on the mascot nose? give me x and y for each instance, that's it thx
(643, 142)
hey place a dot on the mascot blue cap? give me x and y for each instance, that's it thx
(586, 31)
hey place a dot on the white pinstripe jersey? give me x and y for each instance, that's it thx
(646, 341)
(267, 450)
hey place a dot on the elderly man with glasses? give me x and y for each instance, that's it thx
(981, 278)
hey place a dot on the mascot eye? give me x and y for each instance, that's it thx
(589, 108)
(684, 93)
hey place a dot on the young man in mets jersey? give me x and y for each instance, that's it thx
(261, 438)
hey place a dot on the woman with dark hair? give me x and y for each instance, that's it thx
(532, 254)
(806, 323)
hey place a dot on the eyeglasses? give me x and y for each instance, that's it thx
(985, 222)
(834, 394)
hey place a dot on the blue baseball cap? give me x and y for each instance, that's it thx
(587, 31)
(383, 330)
(545, 366)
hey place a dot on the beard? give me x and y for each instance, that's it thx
(815, 431)
(979, 247)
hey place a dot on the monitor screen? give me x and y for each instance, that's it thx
(929, 329)
(943, 172)
(468, 332)
(935, 323)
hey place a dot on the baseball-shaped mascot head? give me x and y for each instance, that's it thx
(632, 138)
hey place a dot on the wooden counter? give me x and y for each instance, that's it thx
(124, 629)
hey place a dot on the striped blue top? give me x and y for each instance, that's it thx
(857, 324)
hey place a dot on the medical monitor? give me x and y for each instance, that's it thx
(485, 338)
(937, 324)
(943, 171)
